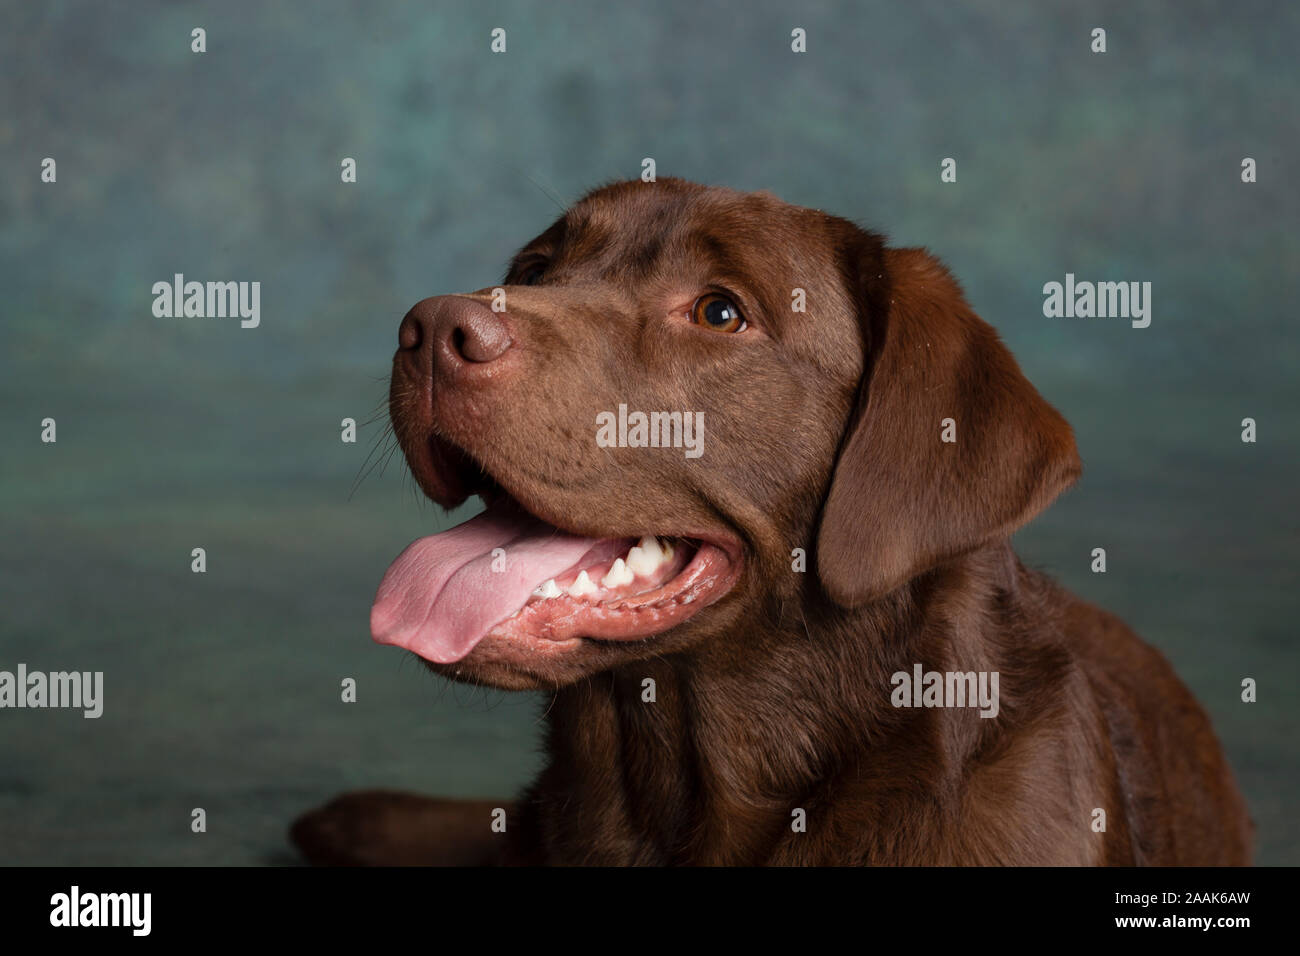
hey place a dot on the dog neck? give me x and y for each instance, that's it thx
(708, 756)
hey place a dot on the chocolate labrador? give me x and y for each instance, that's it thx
(749, 478)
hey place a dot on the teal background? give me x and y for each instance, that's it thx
(222, 689)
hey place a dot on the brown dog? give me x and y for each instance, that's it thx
(840, 409)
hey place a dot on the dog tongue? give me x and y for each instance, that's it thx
(441, 596)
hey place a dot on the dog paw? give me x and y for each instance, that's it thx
(392, 828)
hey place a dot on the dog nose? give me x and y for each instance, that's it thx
(458, 332)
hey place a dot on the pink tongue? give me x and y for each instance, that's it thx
(441, 596)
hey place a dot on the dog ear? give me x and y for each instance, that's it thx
(949, 446)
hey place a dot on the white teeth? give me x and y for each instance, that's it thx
(645, 557)
(641, 562)
(548, 590)
(618, 575)
(582, 586)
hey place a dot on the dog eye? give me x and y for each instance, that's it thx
(532, 274)
(717, 312)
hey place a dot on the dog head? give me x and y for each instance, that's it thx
(679, 399)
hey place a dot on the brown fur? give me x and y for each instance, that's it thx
(823, 434)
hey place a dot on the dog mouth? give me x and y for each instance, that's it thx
(509, 575)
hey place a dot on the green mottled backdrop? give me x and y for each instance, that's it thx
(222, 689)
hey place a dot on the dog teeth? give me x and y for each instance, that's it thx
(582, 586)
(646, 557)
(618, 575)
(642, 560)
(548, 590)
